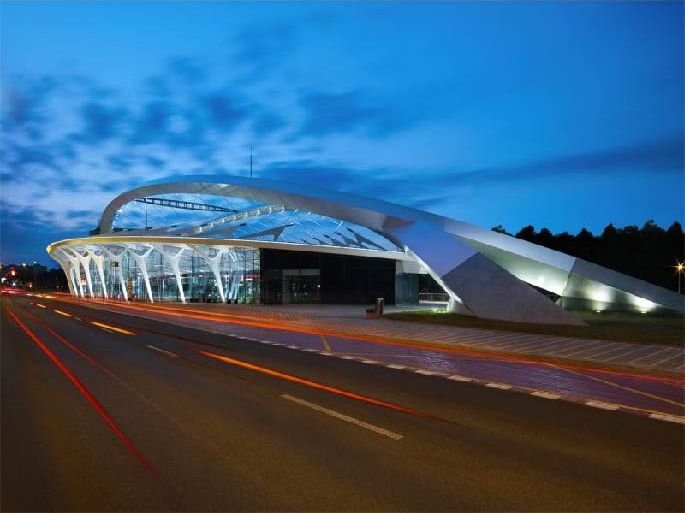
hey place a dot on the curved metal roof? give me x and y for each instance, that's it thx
(483, 270)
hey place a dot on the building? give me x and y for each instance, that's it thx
(233, 239)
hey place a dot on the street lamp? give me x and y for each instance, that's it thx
(679, 269)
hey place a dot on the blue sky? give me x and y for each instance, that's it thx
(564, 115)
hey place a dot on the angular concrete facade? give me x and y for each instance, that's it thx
(486, 274)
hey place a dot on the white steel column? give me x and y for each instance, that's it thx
(98, 259)
(85, 262)
(174, 261)
(75, 275)
(214, 266)
(75, 268)
(142, 265)
(119, 259)
(66, 268)
(234, 283)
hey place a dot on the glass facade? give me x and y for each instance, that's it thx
(195, 273)
(163, 272)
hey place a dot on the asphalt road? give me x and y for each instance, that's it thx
(159, 417)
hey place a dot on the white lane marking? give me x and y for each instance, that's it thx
(501, 386)
(294, 347)
(666, 359)
(668, 418)
(347, 357)
(77, 318)
(168, 353)
(457, 377)
(575, 347)
(42, 306)
(602, 406)
(546, 395)
(634, 355)
(369, 361)
(343, 417)
(653, 354)
(325, 353)
(425, 372)
(396, 366)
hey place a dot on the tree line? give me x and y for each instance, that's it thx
(649, 253)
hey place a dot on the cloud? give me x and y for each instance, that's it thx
(661, 156)
(23, 103)
(258, 51)
(352, 111)
(266, 123)
(100, 122)
(223, 111)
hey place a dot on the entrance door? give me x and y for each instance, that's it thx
(301, 286)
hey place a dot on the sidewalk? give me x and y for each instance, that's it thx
(348, 320)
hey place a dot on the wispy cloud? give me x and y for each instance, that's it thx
(661, 156)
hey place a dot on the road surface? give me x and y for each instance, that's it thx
(104, 412)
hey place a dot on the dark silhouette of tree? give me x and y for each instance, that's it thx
(500, 229)
(649, 253)
(527, 233)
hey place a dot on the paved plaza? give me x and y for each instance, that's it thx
(349, 320)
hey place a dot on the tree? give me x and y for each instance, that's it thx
(648, 253)
(527, 233)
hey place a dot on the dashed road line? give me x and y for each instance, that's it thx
(546, 395)
(168, 353)
(668, 418)
(109, 328)
(346, 418)
(602, 405)
(457, 377)
(501, 386)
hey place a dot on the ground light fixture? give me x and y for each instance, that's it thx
(679, 268)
